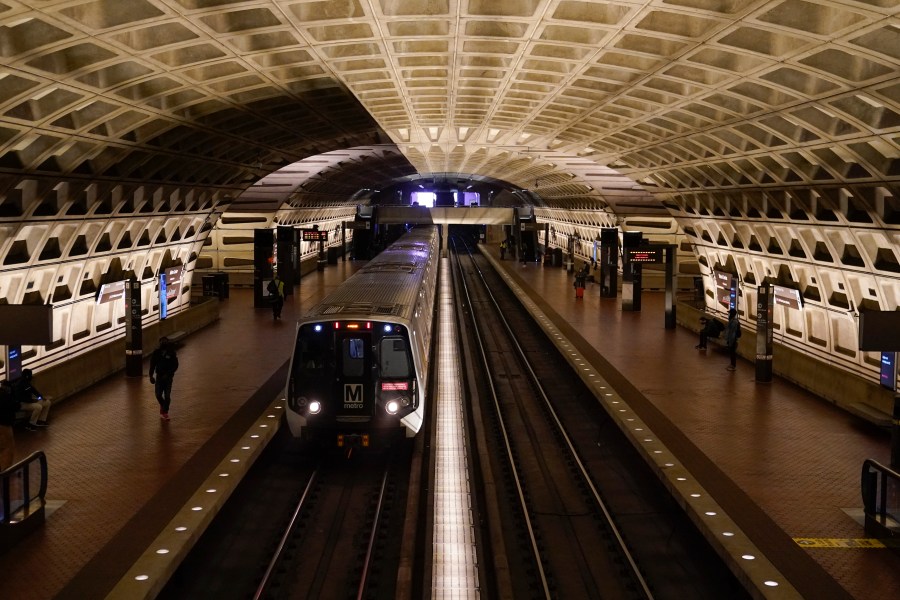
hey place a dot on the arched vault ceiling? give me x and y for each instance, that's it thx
(680, 94)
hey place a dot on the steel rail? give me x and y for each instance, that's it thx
(639, 578)
(536, 553)
(282, 545)
(363, 580)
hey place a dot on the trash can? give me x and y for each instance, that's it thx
(333, 255)
(557, 257)
(320, 263)
(220, 282)
(209, 285)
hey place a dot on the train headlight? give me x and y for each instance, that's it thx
(315, 407)
(392, 407)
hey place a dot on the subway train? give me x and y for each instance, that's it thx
(359, 368)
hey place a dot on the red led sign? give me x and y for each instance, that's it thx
(644, 255)
(314, 235)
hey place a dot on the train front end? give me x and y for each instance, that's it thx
(353, 383)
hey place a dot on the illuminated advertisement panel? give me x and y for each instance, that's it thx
(888, 376)
(169, 288)
(13, 362)
(173, 282)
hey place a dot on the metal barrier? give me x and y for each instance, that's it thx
(880, 486)
(23, 487)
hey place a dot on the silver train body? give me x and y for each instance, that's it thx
(359, 370)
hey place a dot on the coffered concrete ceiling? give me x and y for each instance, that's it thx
(679, 95)
(762, 135)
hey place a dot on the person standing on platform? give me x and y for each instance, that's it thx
(503, 250)
(732, 333)
(276, 293)
(163, 364)
(29, 398)
(8, 408)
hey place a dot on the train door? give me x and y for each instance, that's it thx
(356, 386)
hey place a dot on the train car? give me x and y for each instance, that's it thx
(359, 370)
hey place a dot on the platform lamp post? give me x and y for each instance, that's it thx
(765, 331)
(671, 284)
(134, 338)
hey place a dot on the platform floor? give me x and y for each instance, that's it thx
(786, 465)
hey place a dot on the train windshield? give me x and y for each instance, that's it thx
(394, 358)
(312, 355)
(354, 351)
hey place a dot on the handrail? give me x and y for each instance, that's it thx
(17, 495)
(880, 485)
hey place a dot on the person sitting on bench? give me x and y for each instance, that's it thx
(711, 328)
(29, 398)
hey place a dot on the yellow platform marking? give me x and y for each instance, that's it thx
(840, 543)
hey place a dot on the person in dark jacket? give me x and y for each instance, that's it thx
(8, 409)
(276, 295)
(29, 398)
(732, 333)
(163, 364)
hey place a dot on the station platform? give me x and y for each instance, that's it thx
(117, 473)
(784, 464)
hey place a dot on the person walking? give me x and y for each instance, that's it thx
(8, 409)
(29, 398)
(732, 334)
(276, 293)
(163, 364)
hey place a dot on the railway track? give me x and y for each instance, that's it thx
(331, 545)
(581, 517)
(571, 511)
(304, 524)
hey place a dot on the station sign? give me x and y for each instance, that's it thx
(879, 330)
(110, 292)
(531, 226)
(785, 296)
(30, 324)
(313, 235)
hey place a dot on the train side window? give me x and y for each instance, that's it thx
(354, 357)
(394, 358)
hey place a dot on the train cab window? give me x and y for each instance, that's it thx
(312, 354)
(394, 358)
(354, 354)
